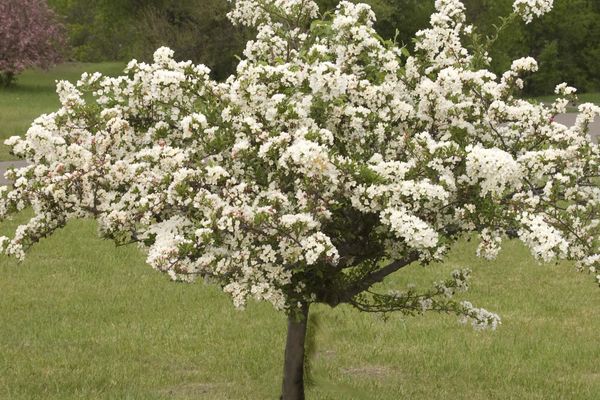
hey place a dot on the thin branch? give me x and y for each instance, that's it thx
(377, 276)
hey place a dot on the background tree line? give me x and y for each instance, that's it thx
(566, 42)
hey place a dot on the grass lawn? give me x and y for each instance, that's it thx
(34, 94)
(81, 319)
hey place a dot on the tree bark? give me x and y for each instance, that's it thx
(6, 78)
(293, 365)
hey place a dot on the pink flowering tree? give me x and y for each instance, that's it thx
(330, 160)
(30, 36)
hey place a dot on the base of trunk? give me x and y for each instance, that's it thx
(293, 367)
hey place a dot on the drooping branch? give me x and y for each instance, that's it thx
(376, 277)
(439, 298)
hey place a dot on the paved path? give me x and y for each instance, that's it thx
(4, 165)
(569, 119)
(566, 119)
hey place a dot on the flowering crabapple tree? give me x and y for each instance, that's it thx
(330, 160)
(30, 36)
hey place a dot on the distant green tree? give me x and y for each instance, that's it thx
(120, 29)
(98, 30)
(570, 46)
(565, 41)
(196, 30)
(511, 44)
(395, 18)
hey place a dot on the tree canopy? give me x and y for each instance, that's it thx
(331, 159)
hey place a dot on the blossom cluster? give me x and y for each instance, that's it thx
(529, 9)
(330, 159)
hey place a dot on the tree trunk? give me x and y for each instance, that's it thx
(293, 365)
(6, 78)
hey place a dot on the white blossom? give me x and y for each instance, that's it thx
(327, 156)
(528, 9)
(493, 169)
